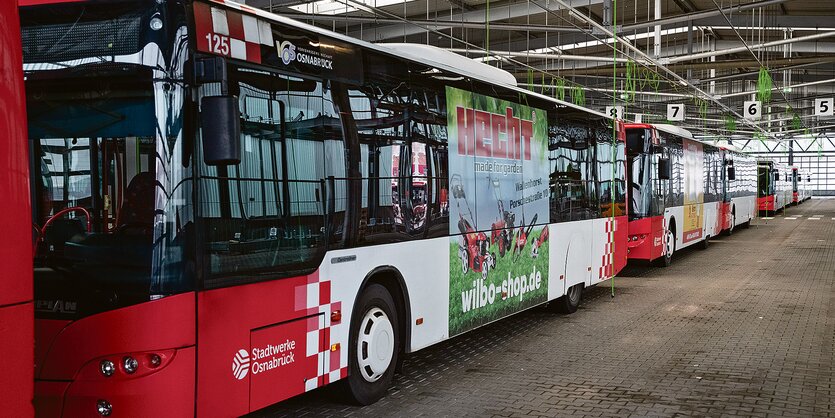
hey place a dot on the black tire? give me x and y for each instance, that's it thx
(705, 243)
(730, 230)
(569, 303)
(667, 259)
(366, 386)
(747, 224)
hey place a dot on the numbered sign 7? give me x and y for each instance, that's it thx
(675, 112)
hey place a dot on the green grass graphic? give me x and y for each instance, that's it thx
(459, 282)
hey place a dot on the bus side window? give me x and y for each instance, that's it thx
(270, 210)
(571, 188)
(611, 173)
(428, 119)
(379, 110)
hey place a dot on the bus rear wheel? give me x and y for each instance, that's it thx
(705, 243)
(568, 303)
(374, 346)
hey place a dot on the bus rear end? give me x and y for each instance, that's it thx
(114, 301)
(15, 253)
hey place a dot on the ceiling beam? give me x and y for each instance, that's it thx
(507, 11)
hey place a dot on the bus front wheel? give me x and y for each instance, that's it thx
(374, 346)
(669, 248)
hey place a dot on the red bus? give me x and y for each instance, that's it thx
(774, 187)
(16, 304)
(800, 191)
(682, 191)
(230, 216)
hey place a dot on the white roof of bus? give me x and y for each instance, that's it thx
(675, 130)
(420, 52)
(468, 71)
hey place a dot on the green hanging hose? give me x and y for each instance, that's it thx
(578, 96)
(764, 85)
(730, 123)
(614, 139)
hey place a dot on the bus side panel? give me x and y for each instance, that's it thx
(714, 215)
(16, 348)
(675, 215)
(570, 256)
(424, 266)
(248, 335)
(16, 310)
(745, 208)
(609, 250)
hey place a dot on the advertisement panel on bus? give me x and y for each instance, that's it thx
(498, 159)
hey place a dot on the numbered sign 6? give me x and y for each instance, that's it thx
(824, 107)
(675, 112)
(752, 109)
(615, 112)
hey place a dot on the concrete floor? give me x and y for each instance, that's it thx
(744, 328)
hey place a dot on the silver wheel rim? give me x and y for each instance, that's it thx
(375, 345)
(464, 260)
(669, 241)
(574, 294)
(484, 267)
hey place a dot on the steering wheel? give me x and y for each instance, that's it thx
(60, 213)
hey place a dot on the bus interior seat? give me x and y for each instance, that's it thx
(138, 206)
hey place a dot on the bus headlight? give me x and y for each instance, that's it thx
(129, 364)
(104, 408)
(156, 23)
(107, 368)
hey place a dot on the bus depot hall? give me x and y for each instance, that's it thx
(224, 208)
(743, 328)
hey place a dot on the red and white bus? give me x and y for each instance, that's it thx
(683, 191)
(16, 303)
(774, 186)
(801, 189)
(230, 219)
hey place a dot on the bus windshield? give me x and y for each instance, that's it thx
(764, 182)
(110, 177)
(638, 169)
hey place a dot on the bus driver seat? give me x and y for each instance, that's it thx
(137, 211)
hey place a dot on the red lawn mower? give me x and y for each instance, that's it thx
(473, 248)
(539, 241)
(522, 237)
(502, 230)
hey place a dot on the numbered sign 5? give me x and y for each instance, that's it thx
(752, 109)
(675, 112)
(824, 107)
(615, 111)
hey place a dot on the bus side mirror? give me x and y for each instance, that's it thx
(731, 173)
(664, 169)
(776, 176)
(220, 121)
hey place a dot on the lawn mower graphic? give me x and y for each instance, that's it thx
(501, 231)
(522, 237)
(543, 236)
(473, 246)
